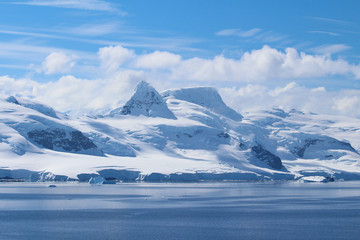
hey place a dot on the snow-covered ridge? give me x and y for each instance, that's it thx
(41, 108)
(207, 97)
(180, 135)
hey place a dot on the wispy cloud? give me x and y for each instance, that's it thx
(30, 34)
(330, 20)
(326, 32)
(254, 33)
(92, 34)
(78, 34)
(13, 66)
(270, 37)
(93, 5)
(94, 29)
(162, 42)
(25, 48)
(330, 49)
(238, 32)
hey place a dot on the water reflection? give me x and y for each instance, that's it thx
(67, 196)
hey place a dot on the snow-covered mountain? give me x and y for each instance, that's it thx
(146, 101)
(179, 135)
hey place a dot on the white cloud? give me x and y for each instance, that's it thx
(158, 60)
(280, 90)
(346, 104)
(58, 62)
(24, 87)
(113, 57)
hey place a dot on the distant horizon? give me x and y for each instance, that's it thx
(81, 56)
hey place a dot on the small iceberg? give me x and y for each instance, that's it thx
(316, 179)
(97, 180)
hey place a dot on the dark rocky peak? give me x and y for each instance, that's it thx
(145, 101)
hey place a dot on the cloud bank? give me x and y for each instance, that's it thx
(256, 66)
(244, 82)
(264, 64)
(293, 96)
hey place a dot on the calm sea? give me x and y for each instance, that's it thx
(224, 210)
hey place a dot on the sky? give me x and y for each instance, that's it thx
(87, 56)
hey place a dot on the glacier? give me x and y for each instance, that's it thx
(186, 134)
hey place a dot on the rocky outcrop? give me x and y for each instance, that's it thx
(60, 140)
(264, 155)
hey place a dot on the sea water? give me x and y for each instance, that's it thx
(222, 210)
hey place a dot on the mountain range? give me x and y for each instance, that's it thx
(186, 134)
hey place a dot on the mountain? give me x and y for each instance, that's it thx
(146, 101)
(179, 135)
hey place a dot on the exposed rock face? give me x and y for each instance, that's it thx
(12, 99)
(146, 101)
(264, 155)
(323, 144)
(60, 140)
(308, 143)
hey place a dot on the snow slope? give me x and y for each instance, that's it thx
(181, 135)
(32, 127)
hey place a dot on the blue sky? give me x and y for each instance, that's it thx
(232, 45)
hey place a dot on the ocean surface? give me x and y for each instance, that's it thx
(223, 210)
